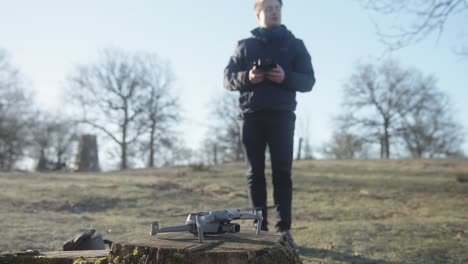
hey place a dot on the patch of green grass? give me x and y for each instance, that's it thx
(392, 211)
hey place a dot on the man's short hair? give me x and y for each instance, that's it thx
(259, 2)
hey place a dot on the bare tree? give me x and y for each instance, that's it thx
(53, 139)
(117, 96)
(177, 155)
(161, 109)
(374, 98)
(109, 95)
(210, 150)
(427, 17)
(344, 146)
(304, 149)
(227, 112)
(429, 129)
(307, 150)
(385, 104)
(223, 141)
(15, 114)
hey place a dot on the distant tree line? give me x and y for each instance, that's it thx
(125, 97)
(387, 112)
(129, 100)
(15, 114)
(222, 142)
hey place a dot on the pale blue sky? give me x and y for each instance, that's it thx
(47, 38)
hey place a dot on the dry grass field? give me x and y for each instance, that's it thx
(395, 211)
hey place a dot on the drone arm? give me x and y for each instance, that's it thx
(208, 218)
(199, 222)
(251, 216)
(256, 216)
(180, 228)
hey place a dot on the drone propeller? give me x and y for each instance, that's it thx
(201, 213)
(199, 228)
(185, 214)
(258, 208)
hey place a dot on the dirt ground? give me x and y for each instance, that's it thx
(393, 211)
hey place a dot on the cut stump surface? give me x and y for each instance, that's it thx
(237, 248)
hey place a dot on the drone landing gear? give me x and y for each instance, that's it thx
(199, 228)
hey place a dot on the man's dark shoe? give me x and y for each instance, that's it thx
(288, 237)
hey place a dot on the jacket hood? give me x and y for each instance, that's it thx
(276, 33)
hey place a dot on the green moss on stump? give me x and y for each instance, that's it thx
(102, 261)
(35, 257)
(139, 254)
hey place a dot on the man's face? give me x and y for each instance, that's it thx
(269, 14)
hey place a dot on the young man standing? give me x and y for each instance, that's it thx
(267, 70)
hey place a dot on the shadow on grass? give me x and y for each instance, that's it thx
(332, 255)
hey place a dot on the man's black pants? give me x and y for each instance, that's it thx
(275, 129)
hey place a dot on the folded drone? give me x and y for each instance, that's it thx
(212, 222)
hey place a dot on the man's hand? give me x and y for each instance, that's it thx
(276, 75)
(256, 76)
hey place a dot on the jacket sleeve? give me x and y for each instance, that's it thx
(236, 73)
(302, 77)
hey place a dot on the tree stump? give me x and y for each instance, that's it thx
(56, 257)
(230, 248)
(237, 248)
(87, 158)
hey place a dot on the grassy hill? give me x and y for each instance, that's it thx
(395, 211)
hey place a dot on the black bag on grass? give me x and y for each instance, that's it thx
(86, 241)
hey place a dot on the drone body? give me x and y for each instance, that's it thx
(213, 222)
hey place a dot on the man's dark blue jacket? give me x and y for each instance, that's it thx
(280, 46)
